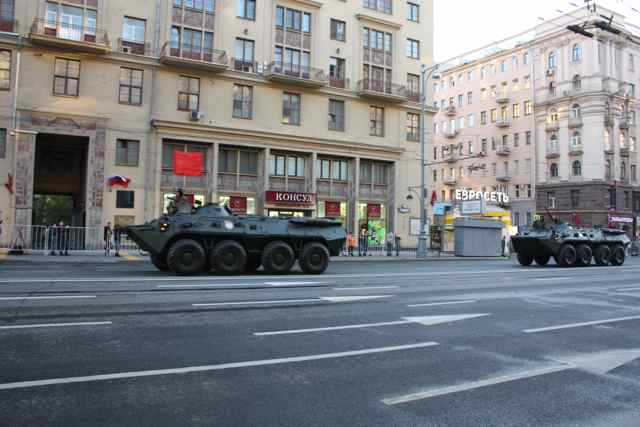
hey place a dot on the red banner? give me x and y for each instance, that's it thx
(290, 199)
(187, 164)
(238, 204)
(373, 210)
(332, 209)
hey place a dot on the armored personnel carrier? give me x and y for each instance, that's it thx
(212, 237)
(570, 246)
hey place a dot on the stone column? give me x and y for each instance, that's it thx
(264, 185)
(353, 195)
(25, 158)
(213, 170)
(95, 180)
(391, 199)
(313, 175)
(151, 170)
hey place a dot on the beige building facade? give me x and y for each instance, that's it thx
(301, 107)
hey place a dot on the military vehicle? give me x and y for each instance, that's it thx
(570, 246)
(212, 237)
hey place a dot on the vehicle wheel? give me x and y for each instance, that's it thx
(617, 255)
(584, 255)
(314, 258)
(278, 257)
(252, 265)
(568, 256)
(228, 257)
(186, 257)
(524, 260)
(160, 263)
(542, 260)
(602, 255)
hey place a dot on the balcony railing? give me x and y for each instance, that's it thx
(74, 37)
(194, 57)
(413, 96)
(385, 90)
(575, 149)
(8, 25)
(552, 126)
(245, 66)
(134, 48)
(553, 152)
(450, 180)
(451, 110)
(296, 74)
(339, 83)
(625, 148)
(502, 98)
(575, 122)
(450, 157)
(450, 133)
(503, 151)
(503, 123)
(503, 176)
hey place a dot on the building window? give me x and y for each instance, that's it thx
(66, 77)
(5, 69)
(575, 111)
(291, 108)
(133, 30)
(242, 102)
(576, 168)
(336, 115)
(379, 5)
(413, 87)
(575, 198)
(131, 86)
(553, 142)
(3, 143)
(623, 171)
(551, 199)
(336, 72)
(279, 164)
(435, 176)
(516, 110)
(376, 121)
(413, 49)
(607, 169)
(483, 118)
(413, 127)
(612, 198)
(577, 82)
(244, 50)
(189, 94)
(483, 146)
(124, 199)
(413, 12)
(551, 61)
(516, 139)
(503, 66)
(634, 176)
(374, 173)
(626, 200)
(576, 53)
(472, 120)
(553, 170)
(246, 9)
(338, 30)
(127, 152)
(238, 161)
(494, 115)
(528, 108)
(336, 170)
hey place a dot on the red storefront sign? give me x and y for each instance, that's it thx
(373, 210)
(238, 204)
(287, 198)
(332, 209)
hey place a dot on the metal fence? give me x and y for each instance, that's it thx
(378, 250)
(47, 239)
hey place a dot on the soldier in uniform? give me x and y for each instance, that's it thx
(179, 205)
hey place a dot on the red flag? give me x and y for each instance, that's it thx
(9, 184)
(434, 198)
(187, 164)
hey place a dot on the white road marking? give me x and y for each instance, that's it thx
(239, 285)
(47, 297)
(431, 304)
(52, 325)
(223, 366)
(364, 288)
(595, 363)
(425, 321)
(293, 283)
(552, 279)
(319, 299)
(628, 289)
(578, 325)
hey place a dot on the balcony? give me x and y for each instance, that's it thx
(450, 133)
(575, 150)
(450, 110)
(450, 157)
(413, 96)
(503, 176)
(503, 123)
(502, 98)
(626, 124)
(204, 59)
(575, 122)
(553, 152)
(296, 75)
(242, 65)
(383, 91)
(450, 180)
(339, 83)
(243, 183)
(134, 48)
(608, 120)
(503, 151)
(8, 25)
(625, 149)
(62, 35)
(552, 126)
(608, 149)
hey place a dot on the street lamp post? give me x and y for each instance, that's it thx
(425, 74)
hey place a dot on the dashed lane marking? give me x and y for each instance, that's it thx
(295, 301)
(578, 325)
(431, 304)
(52, 325)
(364, 288)
(46, 297)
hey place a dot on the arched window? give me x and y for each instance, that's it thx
(553, 115)
(576, 139)
(577, 82)
(607, 139)
(623, 171)
(576, 168)
(551, 63)
(483, 72)
(553, 142)
(553, 170)
(576, 53)
(607, 169)
(634, 175)
(514, 61)
(525, 59)
(575, 111)
(552, 88)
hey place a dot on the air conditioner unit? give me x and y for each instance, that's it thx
(126, 49)
(195, 115)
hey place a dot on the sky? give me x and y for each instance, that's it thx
(463, 25)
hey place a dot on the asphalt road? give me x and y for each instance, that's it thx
(450, 343)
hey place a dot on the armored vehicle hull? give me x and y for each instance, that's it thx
(212, 238)
(571, 246)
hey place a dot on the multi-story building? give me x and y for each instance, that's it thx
(299, 107)
(555, 118)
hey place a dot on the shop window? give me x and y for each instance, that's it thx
(125, 199)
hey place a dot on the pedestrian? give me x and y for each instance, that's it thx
(391, 239)
(117, 235)
(107, 236)
(397, 245)
(363, 247)
(52, 238)
(351, 243)
(66, 235)
(504, 245)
